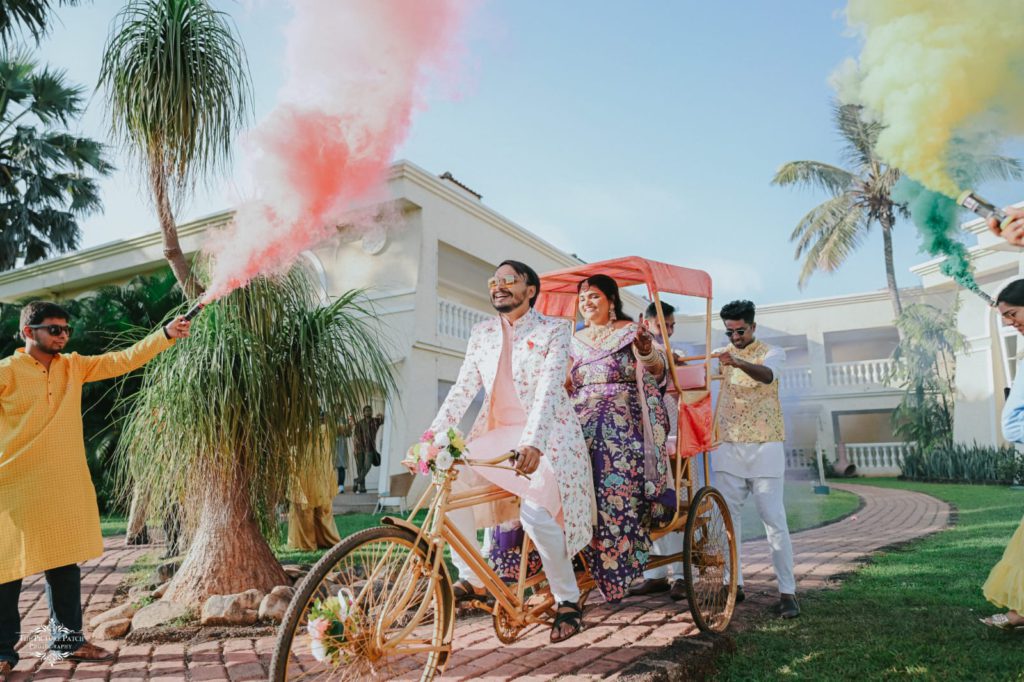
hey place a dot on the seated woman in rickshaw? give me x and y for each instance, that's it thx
(615, 384)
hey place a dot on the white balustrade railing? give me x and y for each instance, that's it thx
(800, 458)
(457, 320)
(795, 378)
(874, 459)
(864, 373)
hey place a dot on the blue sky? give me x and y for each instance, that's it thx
(609, 128)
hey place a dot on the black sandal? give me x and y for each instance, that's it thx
(573, 618)
(465, 591)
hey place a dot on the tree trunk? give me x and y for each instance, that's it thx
(887, 219)
(172, 248)
(228, 553)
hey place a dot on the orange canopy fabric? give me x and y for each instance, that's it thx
(558, 288)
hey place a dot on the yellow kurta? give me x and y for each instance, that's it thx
(48, 512)
(310, 516)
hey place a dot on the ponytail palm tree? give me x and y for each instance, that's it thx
(224, 420)
(178, 91)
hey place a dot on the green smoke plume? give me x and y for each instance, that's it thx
(938, 219)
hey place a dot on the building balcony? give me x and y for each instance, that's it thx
(455, 320)
(863, 373)
(795, 378)
(878, 459)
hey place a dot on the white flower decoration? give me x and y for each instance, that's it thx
(441, 440)
(444, 460)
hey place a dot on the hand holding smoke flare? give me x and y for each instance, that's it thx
(355, 74)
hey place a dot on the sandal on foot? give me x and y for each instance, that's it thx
(463, 590)
(573, 619)
(1003, 622)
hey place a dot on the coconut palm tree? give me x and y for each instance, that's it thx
(31, 15)
(46, 174)
(178, 90)
(224, 420)
(861, 195)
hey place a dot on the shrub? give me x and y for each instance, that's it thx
(962, 463)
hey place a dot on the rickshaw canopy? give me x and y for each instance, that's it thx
(558, 288)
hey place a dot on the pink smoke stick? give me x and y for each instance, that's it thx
(356, 73)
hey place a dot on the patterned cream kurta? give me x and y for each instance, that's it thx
(540, 362)
(48, 512)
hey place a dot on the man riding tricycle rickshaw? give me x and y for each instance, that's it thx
(573, 446)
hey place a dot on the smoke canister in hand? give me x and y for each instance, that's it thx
(972, 202)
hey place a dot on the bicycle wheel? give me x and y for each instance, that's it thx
(709, 561)
(388, 617)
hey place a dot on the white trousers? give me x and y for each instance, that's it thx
(547, 536)
(767, 494)
(670, 543)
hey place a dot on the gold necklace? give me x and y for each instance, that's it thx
(600, 332)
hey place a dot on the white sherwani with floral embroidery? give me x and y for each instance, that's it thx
(540, 363)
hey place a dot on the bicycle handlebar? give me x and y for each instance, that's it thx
(509, 456)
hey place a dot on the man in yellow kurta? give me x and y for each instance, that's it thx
(49, 520)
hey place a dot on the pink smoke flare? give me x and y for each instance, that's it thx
(356, 72)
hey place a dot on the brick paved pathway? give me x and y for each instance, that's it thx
(617, 636)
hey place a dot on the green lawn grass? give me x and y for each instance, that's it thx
(912, 613)
(113, 525)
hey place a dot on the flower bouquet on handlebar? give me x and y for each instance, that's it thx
(436, 452)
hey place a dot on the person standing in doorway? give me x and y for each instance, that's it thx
(750, 460)
(341, 453)
(365, 437)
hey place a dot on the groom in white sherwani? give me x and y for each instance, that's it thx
(521, 359)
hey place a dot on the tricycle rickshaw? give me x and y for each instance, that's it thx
(379, 605)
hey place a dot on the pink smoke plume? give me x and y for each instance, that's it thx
(356, 72)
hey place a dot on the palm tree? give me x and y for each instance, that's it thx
(45, 172)
(32, 15)
(223, 421)
(925, 369)
(860, 197)
(178, 90)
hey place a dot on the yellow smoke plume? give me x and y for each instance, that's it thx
(933, 71)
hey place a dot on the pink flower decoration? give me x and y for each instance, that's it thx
(317, 627)
(424, 467)
(428, 436)
(432, 452)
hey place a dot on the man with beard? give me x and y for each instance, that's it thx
(49, 521)
(521, 358)
(751, 461)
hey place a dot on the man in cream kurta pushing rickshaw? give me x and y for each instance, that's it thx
(380, 605)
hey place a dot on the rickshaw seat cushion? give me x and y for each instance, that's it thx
(690, 377)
